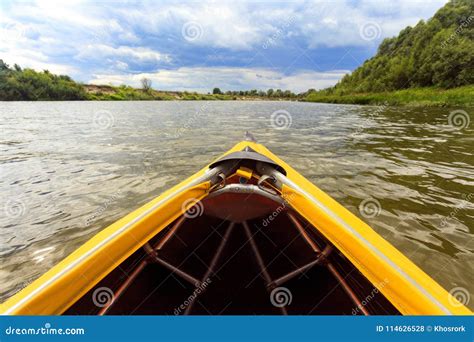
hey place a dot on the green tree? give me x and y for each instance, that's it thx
(146, 84)
(437, 53)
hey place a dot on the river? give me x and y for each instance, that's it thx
(68, 169)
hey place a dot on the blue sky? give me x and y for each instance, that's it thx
(195, 46)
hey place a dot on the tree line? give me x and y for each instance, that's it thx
(278, 93)
(17, 84)
(436, 53)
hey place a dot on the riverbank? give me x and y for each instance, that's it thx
(17, 84)
(429, 97)
(127, 93)
(418, 97)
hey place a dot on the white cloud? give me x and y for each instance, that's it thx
(88, 37)
(37, 60)
(203, 79)
(138, 54)
(338, 23)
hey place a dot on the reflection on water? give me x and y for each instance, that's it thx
(70, 168)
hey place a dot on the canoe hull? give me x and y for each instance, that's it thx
(410, 290)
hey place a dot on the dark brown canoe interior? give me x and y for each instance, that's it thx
(239, 273)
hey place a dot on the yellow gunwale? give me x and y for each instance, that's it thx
(409, 289)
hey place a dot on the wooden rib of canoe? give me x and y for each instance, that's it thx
(247, 234)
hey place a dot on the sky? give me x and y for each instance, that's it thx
(199, 45)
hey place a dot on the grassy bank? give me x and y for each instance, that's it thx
(462, 96)
(127, 93)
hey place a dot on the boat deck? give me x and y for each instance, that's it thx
(237, 284)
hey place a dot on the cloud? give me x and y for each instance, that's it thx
(138, 54)
(85, 37)
(338, 23)
(204, 79)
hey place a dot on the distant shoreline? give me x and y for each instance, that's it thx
(127, 93)
(411, 97)
(17, 84)
(417, 97)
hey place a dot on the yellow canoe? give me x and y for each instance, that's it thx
(247, 234)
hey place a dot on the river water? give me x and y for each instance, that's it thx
(68, 169)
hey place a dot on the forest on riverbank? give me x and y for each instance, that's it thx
(429, 64)
(17, 84)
